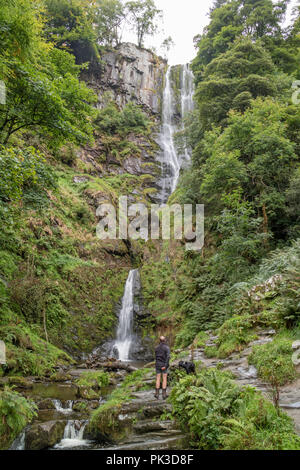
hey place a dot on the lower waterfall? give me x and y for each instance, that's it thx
(124, 336)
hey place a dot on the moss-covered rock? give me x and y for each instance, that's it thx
(42, 436)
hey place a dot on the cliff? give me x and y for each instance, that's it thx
(129, 74)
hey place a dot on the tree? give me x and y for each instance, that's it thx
(70, 25)
(254, 156)
(109, 18)
(167, 44)
(43, 89)
(231, 19)
(20, 33)
(143, 17)
(231, 80)
(49, 99)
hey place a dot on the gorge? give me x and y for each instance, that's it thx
(85, 119)
(129, 74)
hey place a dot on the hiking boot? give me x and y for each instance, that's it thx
(164, 394)
(156, 393)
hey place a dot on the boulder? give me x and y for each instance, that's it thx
(46, 404)
(44, 435)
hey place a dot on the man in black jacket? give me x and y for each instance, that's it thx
(162, 357)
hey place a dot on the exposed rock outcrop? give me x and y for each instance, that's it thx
(130, 74)
(41, 436)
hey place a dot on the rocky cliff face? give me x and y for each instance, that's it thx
(129, 74)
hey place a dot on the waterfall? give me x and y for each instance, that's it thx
(171, 166)
(19, 442)
(59, 407)
(124, 337)
(171, 161)
(187, 90)
(73, 435)
(187, 101)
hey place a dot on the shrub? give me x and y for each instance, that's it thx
(218, 414)
(234, 334)
(113, 121)
(20, 170)
(15, 413)
(274, 363)
(92, 379)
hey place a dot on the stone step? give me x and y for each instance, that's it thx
(158, 443)
(149, 426)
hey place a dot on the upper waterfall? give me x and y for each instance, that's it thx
(172, 122)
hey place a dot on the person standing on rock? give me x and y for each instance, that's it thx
(162, 357)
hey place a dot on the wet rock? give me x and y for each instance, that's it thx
(150, 426)
(132, 165)
(250, 372)
(20, 382)
(60, 376)
(87, 392)
(42, 436)
(46, 404)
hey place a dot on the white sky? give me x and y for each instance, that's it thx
(183, 19)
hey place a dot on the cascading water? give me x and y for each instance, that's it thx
(19, 442)
(73, 435)
(187, 90)
(124, 337)
(187, 100)
(171, 161)
(59, 406)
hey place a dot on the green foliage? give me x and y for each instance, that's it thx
(234, 334)
(200, 339)
(69, 23)
(230, 81)
(92, 379)
(42, 87)
(143, 15)
(109, 20)
(104, 420)
(230, 20)
(274, 361)
(220, 415)
(27, 353)
(15, 412)
(131, 118)
(21, 169)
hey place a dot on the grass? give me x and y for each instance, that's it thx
(104, 422)
(274, 360)
(93, 379)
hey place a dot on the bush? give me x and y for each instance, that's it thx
(274, 364)
(15, 413)
(22, 169)
(97, 379)
(234, 334)
(220, 415)
(113, 121)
